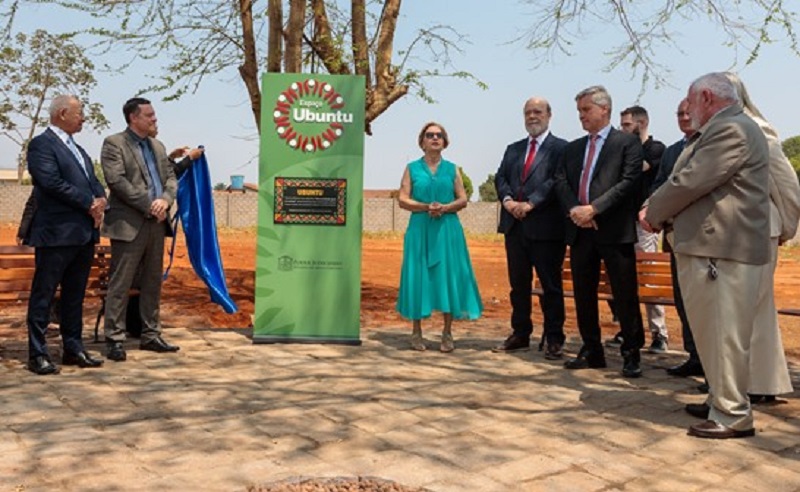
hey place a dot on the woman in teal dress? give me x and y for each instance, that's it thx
(437, 272)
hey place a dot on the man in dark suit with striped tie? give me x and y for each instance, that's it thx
(597, 183)
(533, 225)
(64, 229)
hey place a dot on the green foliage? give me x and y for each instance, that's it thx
(220, 187)
(36, 68)
(796, 164)
(487, 190)
(791, 147)
(98, 171)
(467, 183)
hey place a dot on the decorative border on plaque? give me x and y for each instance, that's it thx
(315, 201)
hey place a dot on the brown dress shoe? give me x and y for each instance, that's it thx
(554, 351)
(513, 343)
(714, 430)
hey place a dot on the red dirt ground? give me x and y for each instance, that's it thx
(186, 303)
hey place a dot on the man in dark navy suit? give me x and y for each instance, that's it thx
(533, 225)
(65, 227)
(598, 183)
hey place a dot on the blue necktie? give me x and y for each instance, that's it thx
(74, 149)
(155, 188)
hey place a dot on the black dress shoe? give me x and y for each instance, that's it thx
(587, 360)
(616, 341)
(699, 410)
(82, 359)
(714, 430)
(158, 344)
(630, 364)
(554, 351)
(756, 399)
(688, 368)
(513, 343)
(42, 366)
(116, 352)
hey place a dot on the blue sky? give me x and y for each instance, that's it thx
(480, 122)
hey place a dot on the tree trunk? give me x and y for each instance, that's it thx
(360, 44)
(248, 70)
(275, 39)
(293, 57)
(323, 42)
(386, 91)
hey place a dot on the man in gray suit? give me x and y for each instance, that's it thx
(718, 197)
(143, 186)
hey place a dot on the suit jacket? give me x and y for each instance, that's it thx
(128, 178)
(784, 190)
(614, 187)
(63, 194)
(668, 160)
(545, 221)
(718, 192)
(652, 151)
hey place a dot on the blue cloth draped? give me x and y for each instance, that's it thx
(196, 212)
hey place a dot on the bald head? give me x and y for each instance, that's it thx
(537, 116)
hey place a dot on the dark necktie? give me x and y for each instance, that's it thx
(583, 190)
(154, 187)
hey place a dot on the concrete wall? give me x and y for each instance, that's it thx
(237, 209)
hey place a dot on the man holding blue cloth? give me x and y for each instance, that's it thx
(142, 188)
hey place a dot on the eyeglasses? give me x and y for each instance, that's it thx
(432, 135)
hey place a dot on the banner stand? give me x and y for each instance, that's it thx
(310, 206)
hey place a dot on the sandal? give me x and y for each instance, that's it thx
(417, 343)
(447, 343)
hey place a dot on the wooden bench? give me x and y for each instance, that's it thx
(17, 264)
(654, 280)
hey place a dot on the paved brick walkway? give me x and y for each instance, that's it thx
(223, 414)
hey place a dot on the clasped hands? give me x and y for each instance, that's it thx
(583, 216)
(97, 209)
(436, 209)
(158, 209)
(519, 210)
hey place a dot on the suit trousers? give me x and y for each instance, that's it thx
(686, 331)
(620, 260)
(69, 267)
(145, 256)
(769, 374)
(722, 312)
(523, 256)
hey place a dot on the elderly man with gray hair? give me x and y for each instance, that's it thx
(718, 200)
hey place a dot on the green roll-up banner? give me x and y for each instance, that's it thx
(310, 204)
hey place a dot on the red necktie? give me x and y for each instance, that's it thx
(583, 190)
(529, 159)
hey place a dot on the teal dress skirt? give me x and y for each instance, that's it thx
(437, 273)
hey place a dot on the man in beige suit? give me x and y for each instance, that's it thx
(718, 199)
(769, 374)
(143, 186)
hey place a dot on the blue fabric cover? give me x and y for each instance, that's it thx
(196, 211)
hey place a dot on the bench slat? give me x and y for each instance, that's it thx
(654, 279)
